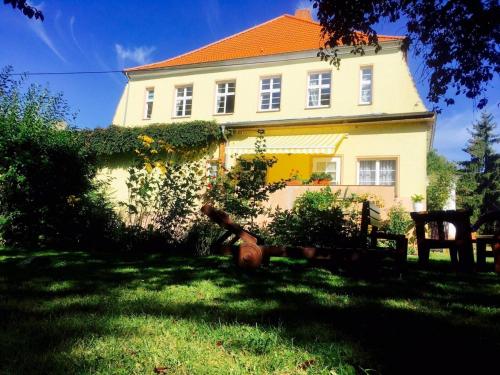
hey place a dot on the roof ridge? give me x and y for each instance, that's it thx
(209, 44)
(301, 19)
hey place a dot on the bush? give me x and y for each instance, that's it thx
(47, 194)
(318, 218)
(243, 191)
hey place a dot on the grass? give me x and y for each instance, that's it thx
(79, 313)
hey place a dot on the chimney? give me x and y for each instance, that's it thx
(304, 14)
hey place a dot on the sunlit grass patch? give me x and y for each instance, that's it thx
(82, 313)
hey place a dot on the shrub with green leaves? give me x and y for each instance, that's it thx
(244, 190)
(47, 193)
(318, 218)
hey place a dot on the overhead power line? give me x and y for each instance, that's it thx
(65, 73)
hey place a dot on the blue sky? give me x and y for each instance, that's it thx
(110, 35)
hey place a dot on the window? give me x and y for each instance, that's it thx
(183, 101)
(212, 169)
(270, 94)
(318, 89)
(225, 97)
(365, 85)
(330, 166)
(148, 107)
(377, 172)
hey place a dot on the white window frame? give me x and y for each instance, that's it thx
(335, 159)
(363, 82)
(319, 86)
(224, 94)
(269, 91)
(184, 98)
(148, 100)
(377, 170)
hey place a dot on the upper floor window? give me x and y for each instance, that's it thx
(319, 89)
(365, 85)
(183, 101)
(377, 172)
(148, 105)
(270, 94)
(225, 97)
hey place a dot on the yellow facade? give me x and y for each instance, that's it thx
(393, 90)
(366, 135)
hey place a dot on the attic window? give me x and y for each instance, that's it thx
(270, 94)
(225, 97)
(319, 89)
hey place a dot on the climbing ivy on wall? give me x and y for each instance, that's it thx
(182, 137)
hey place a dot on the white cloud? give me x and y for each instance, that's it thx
(137, 55)
(39, 30)
(212, 15)
(72, 32)
(452, 131)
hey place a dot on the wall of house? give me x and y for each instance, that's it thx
(393, 90)
(404, 141)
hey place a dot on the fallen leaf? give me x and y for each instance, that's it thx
(160, 370)
(306, 364)
(131, 352)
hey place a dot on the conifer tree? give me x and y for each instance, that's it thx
(478, 187)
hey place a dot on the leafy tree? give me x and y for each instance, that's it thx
(243, 190)
(478, 187)
(442, 177)
(28, 10)
(458, 39)
(46, 192)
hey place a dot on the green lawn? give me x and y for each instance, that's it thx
(79, 313)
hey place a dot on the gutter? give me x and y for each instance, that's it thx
(126, 99)
(335, 120)
(433, 133)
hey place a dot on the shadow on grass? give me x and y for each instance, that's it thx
(433, 321)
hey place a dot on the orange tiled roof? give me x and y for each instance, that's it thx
(283, 34)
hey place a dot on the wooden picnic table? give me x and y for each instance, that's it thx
(461, 247)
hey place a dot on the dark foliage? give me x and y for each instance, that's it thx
(47, 193)
(458, 39)
(182, 137)
(28, 10)
(478, 187)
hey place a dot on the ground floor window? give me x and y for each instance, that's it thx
(328, 165)
(377, 172)
(212, 169)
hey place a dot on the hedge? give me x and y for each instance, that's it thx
(181, 136)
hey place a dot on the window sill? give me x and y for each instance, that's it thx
(146, 119)
(223, 114)
(174, 117)
(268, 110)
(364, 104)
(319, 107)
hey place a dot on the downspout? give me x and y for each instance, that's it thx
(126, 100)
(222, 147)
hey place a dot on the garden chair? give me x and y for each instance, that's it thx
(493, 240)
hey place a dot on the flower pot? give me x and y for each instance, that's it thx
(294, 183)
(322, 182)
(418, 206)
